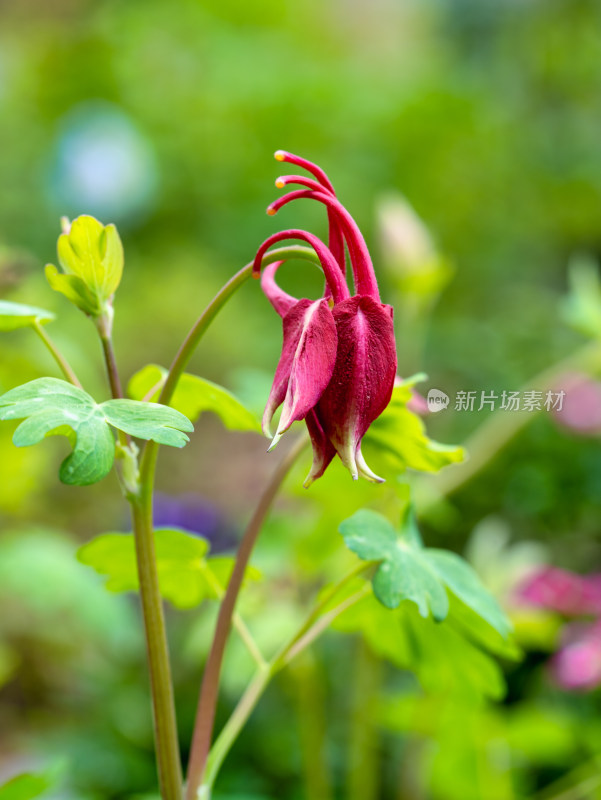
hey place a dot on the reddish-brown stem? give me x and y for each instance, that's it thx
(205, 715)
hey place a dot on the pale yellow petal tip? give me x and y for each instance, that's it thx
(279, 155)
(279, 183)
(365, 471)
(65, 225)
(274, 442)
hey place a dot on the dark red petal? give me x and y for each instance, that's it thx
(279, 299)
(363, 378)
(306, 364)
(323, 449)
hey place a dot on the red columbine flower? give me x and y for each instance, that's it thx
(338, 361)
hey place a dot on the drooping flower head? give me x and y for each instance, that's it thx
(338, 361)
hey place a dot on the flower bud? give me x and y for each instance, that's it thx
(91, 258)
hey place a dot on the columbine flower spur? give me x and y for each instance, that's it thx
(338, 361)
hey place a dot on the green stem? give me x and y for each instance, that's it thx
(237, 621)
(157, 649)
(308, 685)
(363, 741)
(165, 727)
(60, 359)
(111, 366)
(317, 612)
(316, 623)
(232, 728)
(223, 295)
(207, 704)
(156, 640)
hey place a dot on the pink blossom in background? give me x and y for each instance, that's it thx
(581, 409)
(577, 663)
(562, 591)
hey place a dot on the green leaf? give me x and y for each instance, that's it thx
(193, 396)
(410, 571)
(51, 406)
(74, 289)
(404, 572)
(186, 575)
(24, 787)
(464, 583)
(148, 421)
(444, 660)
(398, 437)
(17, 315)
(91, 257)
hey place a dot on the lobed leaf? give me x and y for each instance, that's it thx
(18, 315)
(409, 571)
(74, 289)
(50, 406)
(445, 660)
(404, 572)
(186, 575)
(152, 421)
(193, 396)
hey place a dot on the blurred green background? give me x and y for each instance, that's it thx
(163, 117)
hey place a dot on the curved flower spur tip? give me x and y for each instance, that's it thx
(363, 271)
(363, 378)
(301, 180)
(306, 364)
(335, 234)
(320, 184)
(317, 172)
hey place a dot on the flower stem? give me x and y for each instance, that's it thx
(205, 715)
(60, 359)
(111, 366)
(157, 649)
(165, 727)
(166, 741)
(223, 295)
(307, 684)
(315, 625)
(362, 776)
(238, 623)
